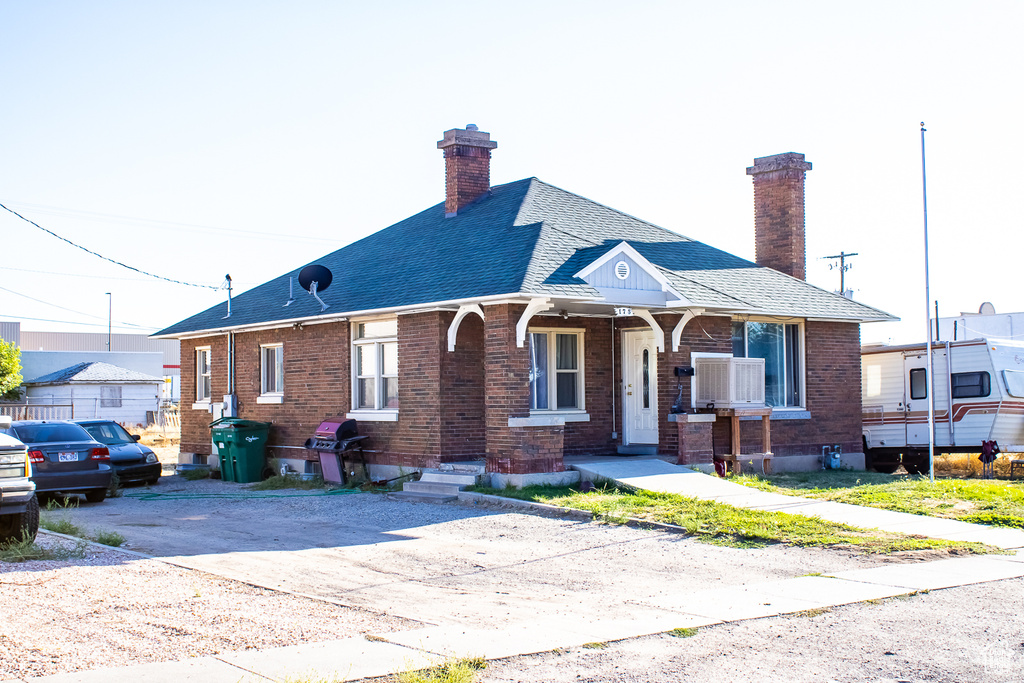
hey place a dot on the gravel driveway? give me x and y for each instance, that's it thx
(374, 564)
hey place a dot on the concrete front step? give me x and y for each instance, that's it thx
(432, 487)
(423, 497)
(457, 479)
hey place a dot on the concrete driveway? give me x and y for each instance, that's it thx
(438, 564)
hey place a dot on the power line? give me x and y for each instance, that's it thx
(90, 251)
(114, 218)
(95, 277)
(71, 322)
(69, 310)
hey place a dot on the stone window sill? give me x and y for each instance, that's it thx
(270, 398)
(201, 405)
(549, 418)
(373, 415)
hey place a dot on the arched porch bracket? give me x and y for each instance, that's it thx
(659, 334)
(534, 307)
(677, 332)
(453, 329)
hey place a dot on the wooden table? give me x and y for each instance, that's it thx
(734, 415)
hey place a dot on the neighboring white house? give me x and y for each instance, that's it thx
(101, 390)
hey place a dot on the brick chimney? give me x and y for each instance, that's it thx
(467, 164)
(779, 212)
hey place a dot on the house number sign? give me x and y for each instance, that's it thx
(623, 312)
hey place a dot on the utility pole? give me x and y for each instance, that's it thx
(110, 318)
(843, 267)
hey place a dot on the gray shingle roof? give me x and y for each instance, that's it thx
(525, 237)
(95, 372)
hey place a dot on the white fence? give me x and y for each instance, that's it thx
(26, 411)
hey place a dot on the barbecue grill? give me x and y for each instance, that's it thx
(333, 439)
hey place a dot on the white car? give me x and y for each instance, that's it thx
(19, 507)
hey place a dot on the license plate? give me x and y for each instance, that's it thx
(65, 456)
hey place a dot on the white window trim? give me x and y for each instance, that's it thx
(270, 396)
(579, 413)
(200, 399)
(380, 414)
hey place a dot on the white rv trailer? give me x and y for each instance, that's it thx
(979, 396)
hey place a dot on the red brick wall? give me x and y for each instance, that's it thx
(833, 399)
(316, 383)
(450, 410)
(779, 212)
(467, 175)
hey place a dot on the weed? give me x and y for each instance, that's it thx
(287, 481)
(812, 574)
(682, 632)
(61, 525)
(111, 538)
(114, 489)
(196, 474)
(26, 550)
(375, 639)
(450, 671)
(810, 613)
(595, 646)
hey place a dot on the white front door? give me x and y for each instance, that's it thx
(639, 387)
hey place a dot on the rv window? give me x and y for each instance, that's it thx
(971, 384)
(918, 383)
(1014, 380)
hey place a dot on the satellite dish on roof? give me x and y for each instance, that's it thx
(316, 278)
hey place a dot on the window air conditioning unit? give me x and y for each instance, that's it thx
(729, 382)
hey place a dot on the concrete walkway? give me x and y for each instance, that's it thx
(386, 653)
(657, 475)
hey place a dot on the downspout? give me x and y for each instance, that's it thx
(949, 394)
(615, 434)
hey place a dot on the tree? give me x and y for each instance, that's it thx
(10, 370)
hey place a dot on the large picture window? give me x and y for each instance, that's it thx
(375, 365)
(204, 385)
(556, 370)
(779, 344)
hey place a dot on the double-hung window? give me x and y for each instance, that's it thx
(375, 365)
(271, 373)
(204, 385)
(556, 369)
(780, 345)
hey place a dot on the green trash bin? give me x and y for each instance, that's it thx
(241, 445)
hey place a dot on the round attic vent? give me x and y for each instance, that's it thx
(622, 270)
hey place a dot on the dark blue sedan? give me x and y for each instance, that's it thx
(65, 458)
(132, 462)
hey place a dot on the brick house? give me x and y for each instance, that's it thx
(522, 323)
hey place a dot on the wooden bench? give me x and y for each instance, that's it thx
(1014, 464)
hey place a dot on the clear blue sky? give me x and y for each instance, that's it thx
(194, 139)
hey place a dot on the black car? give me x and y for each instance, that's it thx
(65, 459)
(132, 462)
(19, 508)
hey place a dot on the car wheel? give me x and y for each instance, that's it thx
(153, 482)
(96, 495)
(21, 525)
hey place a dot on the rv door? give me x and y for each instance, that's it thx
(915, 398)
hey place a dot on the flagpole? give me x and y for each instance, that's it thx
(928, 323)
